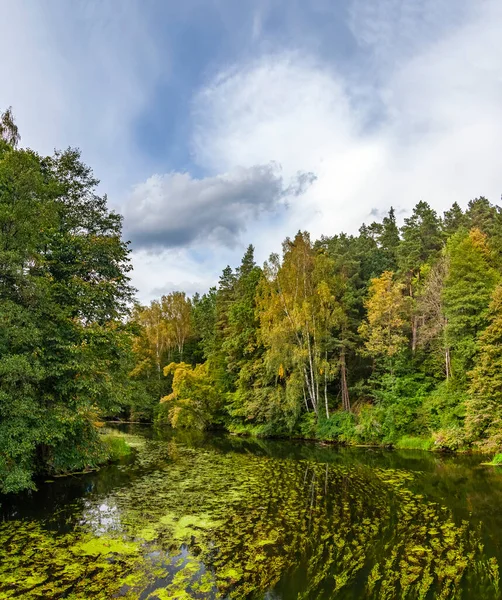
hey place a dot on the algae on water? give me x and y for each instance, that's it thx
(206, 524)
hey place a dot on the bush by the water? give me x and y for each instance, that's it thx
(115, 447)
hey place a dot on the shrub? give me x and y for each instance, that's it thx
(450, 438)
(369, 424)
(340, 427)
(116, 447)
(307, 425)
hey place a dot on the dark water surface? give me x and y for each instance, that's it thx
(195, 516)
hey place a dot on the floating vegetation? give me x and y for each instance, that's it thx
(196, 522)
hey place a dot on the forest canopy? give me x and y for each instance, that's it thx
(391, 334)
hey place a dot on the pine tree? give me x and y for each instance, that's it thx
(453, 220)
(484, 407)
(467, 292)
(389, 240)
(421, 239)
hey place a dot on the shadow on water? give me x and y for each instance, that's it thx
(197, 515)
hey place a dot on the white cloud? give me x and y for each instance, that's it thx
(438, 138)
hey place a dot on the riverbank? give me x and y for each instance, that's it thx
(341, 436)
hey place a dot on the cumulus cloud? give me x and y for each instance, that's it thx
(176, 210)
(437, 137)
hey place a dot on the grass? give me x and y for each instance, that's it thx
(496, 460)
(409, 442)
(116, 447)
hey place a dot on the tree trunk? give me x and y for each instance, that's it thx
(326, 386)
(344, 386)
(413, 334)
(447, 364)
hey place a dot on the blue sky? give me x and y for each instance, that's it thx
(213, 124)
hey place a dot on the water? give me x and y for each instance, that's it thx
(204, 516)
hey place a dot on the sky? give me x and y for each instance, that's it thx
(213, 124)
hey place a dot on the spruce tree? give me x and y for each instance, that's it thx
(484, 407)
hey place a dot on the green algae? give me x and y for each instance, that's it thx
(199, 523)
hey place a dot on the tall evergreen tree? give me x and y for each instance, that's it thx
(467, 292)
(389, 240)
(484, 406)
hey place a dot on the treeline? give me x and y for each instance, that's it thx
(373, 338)
(391, 336)
(65, 347)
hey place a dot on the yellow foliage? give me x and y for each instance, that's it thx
(383, 329)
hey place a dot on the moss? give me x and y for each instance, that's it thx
(96, 546)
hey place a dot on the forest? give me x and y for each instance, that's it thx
(390, 337)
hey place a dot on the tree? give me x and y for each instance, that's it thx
(389, 240)
(152, 341)
(433, 322)
(204, 321)
(484, 407)
(467, 291)
(195, 398)
(8, 128)
(297, 311)
(64, 293)
(176, 310)
(240, 341)
(421, 239)
(453, 220)
(383, 330)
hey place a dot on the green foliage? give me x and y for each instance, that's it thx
(340, 427)
(195, 400)
(467, 292)
(64, 291)
(116, 447)
(484, 406)
(388, 321)
(444, 407)
(497, 459)
(408, 442)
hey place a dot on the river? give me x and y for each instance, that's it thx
(194, 515)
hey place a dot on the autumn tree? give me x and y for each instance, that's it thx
(384, 327)
(297, 311)
(176, 311)
(152, 341)
(431, 312)
(195, 398)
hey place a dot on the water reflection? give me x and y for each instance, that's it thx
(197, 516)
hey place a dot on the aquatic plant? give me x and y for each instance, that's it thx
(200, 523)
